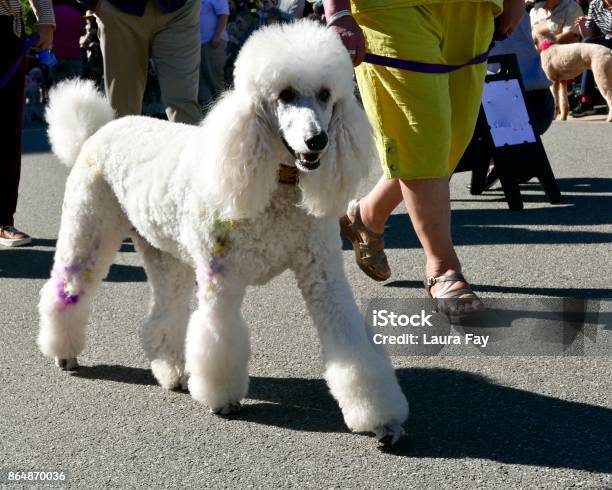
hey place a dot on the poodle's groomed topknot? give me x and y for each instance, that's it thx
(303, 51)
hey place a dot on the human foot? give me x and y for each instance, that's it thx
(452, 295)
(369, 246)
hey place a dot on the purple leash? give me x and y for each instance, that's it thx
(25, 47)
(422, 67)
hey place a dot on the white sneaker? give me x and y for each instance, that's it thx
(12, 237)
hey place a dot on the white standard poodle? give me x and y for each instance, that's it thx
(204, 206)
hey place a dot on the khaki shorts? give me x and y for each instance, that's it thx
(424, 122)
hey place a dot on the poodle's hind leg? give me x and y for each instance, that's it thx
(218, 346)
(603, 78)
(360, 376)
(163, 331)
(91, 231)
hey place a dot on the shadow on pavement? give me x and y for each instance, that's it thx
(454, 414)
(587, 293)
(501, 226)
(120, 374)
(34, 139)
(29, 263)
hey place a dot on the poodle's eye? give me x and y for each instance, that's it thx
(287, 95)
(324, 95)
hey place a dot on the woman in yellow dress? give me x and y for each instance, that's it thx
(423, 122)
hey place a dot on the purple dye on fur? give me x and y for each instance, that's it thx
(214, 267)
(66, 299)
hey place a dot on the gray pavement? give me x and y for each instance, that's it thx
(476, 422)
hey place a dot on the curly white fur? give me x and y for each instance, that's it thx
(204, 203)
(75, 112)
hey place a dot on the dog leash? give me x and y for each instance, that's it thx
(422, 67)
(25, 47)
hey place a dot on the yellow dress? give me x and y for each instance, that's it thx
(423, 122)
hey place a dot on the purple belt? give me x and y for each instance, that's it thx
(10, 73)
(423, 67)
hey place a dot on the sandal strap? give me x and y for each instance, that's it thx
(430, 281)
(358, 225)
(444, 293)
(461, 293)
(375, 258)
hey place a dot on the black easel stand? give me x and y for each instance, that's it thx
(514, 163)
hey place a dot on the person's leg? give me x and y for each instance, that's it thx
(428, 204)
(541, 107)
(406, 109)
(467, 32)
(124, 40)
(11, 122)
(378, 204)
(203, 89)
(216, 69)
(176, 51)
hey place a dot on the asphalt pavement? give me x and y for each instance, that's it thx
(476, 421)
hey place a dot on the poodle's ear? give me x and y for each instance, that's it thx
(239, 174)
(346, 162)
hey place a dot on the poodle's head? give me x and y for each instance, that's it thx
(542, 36)
(294, 103)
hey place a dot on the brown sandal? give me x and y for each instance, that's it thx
(370, 257)
(454, 304)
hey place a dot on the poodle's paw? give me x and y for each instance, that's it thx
(389, 435)
(222, 398)
(169, 375)
(228, 409)
(69, 364)
(184, 382)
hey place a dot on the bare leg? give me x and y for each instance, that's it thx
(379, 203)
(428, 204)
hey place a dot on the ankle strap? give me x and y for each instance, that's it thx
(430, 281)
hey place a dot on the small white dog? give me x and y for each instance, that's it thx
(563, 62)
(204, 203)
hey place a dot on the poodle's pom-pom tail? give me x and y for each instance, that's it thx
(76, 111)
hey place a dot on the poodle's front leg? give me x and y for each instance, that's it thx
(218, 347)
(563, 100)
(359, 375)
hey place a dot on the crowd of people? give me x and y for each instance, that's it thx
(224, 28)
(189, 47)
(225, 25)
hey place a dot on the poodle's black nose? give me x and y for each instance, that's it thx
(317, 142)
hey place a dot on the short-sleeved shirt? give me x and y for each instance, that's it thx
(559, 20)
(209, 16)
(601, 18)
